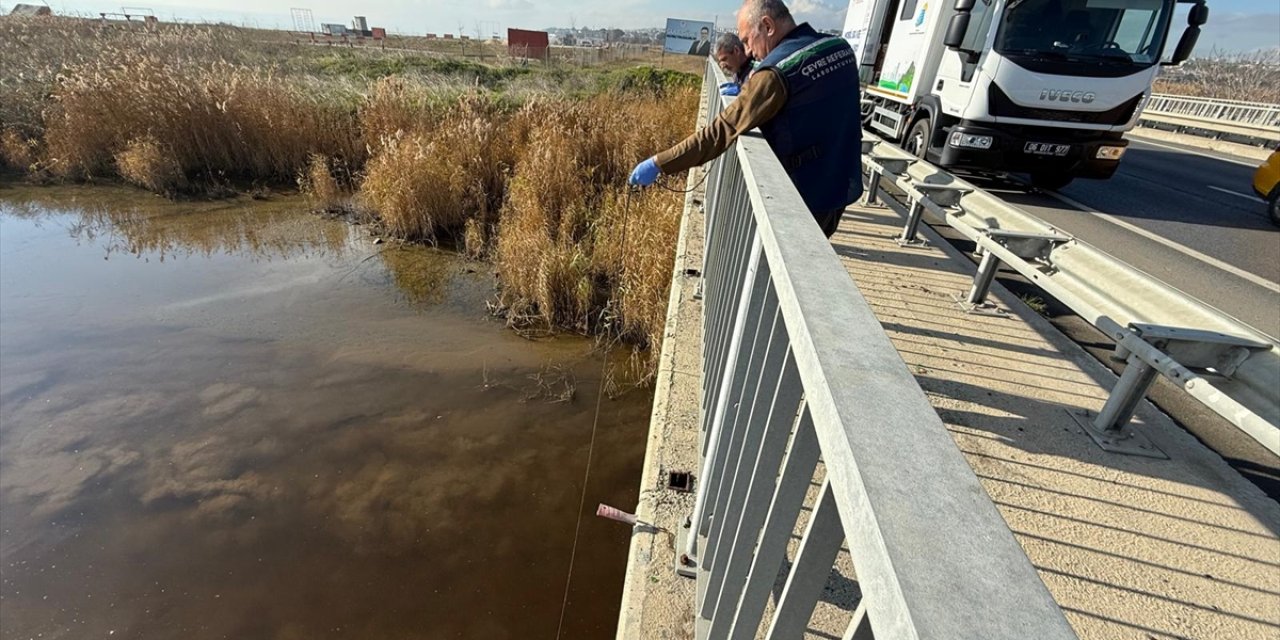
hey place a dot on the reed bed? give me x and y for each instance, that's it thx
(524, 168)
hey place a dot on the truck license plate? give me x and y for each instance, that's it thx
(1047, 149)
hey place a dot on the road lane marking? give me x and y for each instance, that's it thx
(1183, 249)
(1194, 152)
(1234, 193)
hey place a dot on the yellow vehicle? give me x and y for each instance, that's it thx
(1266, 182)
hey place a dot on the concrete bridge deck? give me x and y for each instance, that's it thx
(1129, 547)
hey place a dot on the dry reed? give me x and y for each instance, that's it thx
(151, 165)
(16, 151)
(320, 186)
(573, 248)
(532, 179)
(219, 120)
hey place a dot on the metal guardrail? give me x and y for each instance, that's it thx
(1226, 365)
(797, 368)
(1233, 117)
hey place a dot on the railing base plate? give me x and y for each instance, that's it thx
(689, 570)
(983, 309)
(1128, 441)
(912, 244)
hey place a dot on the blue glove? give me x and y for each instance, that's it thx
(645, 173)
(729, 88)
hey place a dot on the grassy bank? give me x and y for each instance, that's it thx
(521, 165)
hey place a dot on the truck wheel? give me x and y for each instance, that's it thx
(1051, 181)
(917, 141)
(1273, 205)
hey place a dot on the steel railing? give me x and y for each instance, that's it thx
(1226, 365)
(1235, 117)
(797, 369)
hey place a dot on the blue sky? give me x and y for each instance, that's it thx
(1234, 25)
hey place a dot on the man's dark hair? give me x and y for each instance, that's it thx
(729, 42)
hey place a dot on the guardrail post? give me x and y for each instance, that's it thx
(1131, 388)
(982, 280)
(1110, 429)
(908, 236)
(873, 188)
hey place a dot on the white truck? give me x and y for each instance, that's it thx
(1043, 87)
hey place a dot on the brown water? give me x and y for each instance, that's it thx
(237, 420)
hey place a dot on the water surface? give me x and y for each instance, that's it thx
(238, 420)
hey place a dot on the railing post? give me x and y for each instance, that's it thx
(818, 550)
(711, 482)
(860, 625)
(784, 507)
(735, 430)
(747, 513)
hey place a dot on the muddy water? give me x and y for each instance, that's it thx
(237, 420)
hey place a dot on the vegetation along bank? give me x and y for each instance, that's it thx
(520, 164)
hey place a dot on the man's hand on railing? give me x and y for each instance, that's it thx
(645, 173)
(730, 88)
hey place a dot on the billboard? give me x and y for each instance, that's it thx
(689, 37)
(527, 44)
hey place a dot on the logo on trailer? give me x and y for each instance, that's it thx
(1056, 95)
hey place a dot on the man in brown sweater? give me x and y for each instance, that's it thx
(803, 96)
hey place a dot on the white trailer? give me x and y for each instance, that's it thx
(1044, 87)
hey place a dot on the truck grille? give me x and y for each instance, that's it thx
(1002, 106)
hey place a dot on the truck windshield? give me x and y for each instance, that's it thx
(1115, 31)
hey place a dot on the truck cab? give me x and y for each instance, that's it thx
(1043, 87)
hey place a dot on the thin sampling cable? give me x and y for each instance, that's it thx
(586, 475)
(690, 189)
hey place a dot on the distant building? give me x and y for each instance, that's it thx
(360, 27)
(31, 10)
(527, 44)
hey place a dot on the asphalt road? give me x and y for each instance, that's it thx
(1187, 217)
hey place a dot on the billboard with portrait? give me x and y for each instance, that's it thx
(690, 37)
